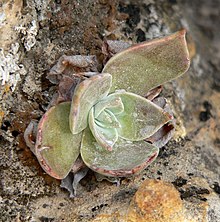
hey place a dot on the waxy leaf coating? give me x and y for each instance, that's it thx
(56, 147)
(141, 118)
(144, 66)
(105, 137)
(127, 157)
(86, 94)
(113, 104)
(107, 119)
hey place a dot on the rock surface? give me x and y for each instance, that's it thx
(35, 33)
(156, 201)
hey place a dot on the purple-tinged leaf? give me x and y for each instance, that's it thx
(78, 165)
(56, 147)
(126, 158)
(166, 132)
(86, 94)
(147, 65)
(71, 181)
(70, 65)
(162, 136)
(111, 47)
(30, 134)
(153, 93)
(66, 88)
(67, 183)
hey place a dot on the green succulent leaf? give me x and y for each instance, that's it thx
(127, 157)
(56, 147)
(144, 66)
(141, 118)
(105, 136)
(86, 94)
(113, 104)
(107, 119)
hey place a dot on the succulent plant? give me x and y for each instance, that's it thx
(113, 120)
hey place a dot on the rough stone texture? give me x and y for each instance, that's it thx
(156, 201)
(45, 30)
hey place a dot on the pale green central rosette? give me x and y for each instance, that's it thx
(115, 127)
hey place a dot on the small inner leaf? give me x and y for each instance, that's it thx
(106, 137)
(147, 65)
(107, 119)
(86, 94)
(127, 157)
(114, 104)
(141, 118)
(56, 147)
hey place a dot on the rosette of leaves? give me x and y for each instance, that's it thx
(109, 120)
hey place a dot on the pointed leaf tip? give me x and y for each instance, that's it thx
(147, 65)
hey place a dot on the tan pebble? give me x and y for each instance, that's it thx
(156, 201)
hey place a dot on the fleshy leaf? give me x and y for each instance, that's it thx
(165, 133)
(78, 165)
(106, 137)
(127, 157)
(114, 104)
(70, 65)
(153, 93)
(71, 181)
(107, 119)
(141, 118)
(30, 135)
(67, 183)
(56, 147)
(162, 136)
(86, 94)
(147, 65)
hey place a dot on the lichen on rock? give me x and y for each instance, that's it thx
(11, 69)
